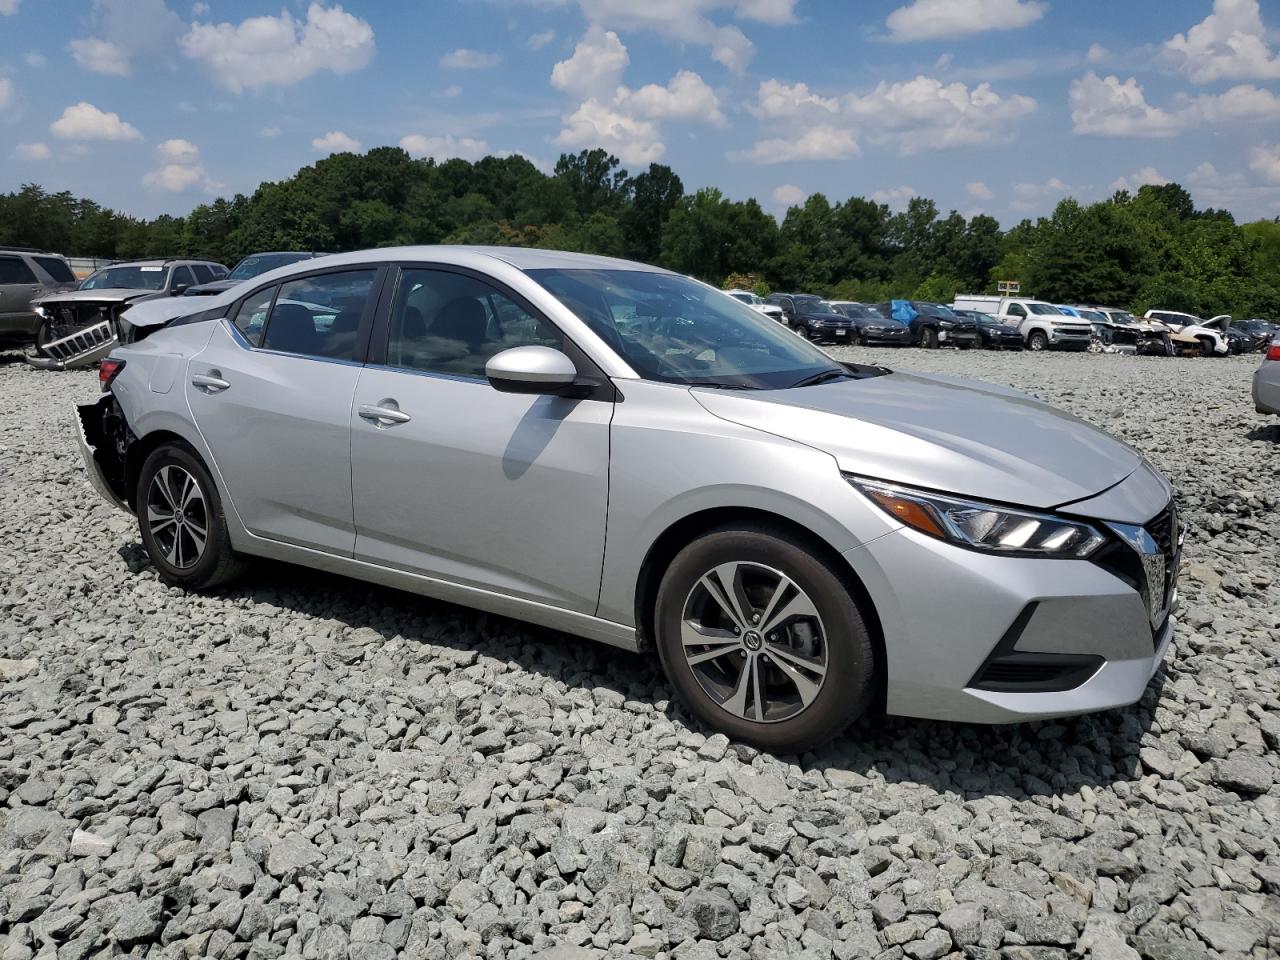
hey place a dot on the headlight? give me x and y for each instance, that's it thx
(983, 526)
(39, 311)
(946, 324)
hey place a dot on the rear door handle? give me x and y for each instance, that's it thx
(384, 413)
(211, 382)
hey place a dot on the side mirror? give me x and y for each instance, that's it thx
(178, 289)
(539, 370)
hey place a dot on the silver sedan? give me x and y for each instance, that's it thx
(1266, 381)
(628, 455)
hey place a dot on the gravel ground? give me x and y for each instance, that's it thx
(305, 766)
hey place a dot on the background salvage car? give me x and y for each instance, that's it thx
(251, 266)
(871, 327)
(27, 275)
(468, 423)
(81, 326)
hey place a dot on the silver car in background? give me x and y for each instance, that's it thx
(625, 454)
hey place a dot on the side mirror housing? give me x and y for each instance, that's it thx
(532, 369)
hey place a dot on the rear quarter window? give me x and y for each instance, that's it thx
(15, 270)
(56, 268)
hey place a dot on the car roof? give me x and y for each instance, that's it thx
(522, 258)
(156, 262)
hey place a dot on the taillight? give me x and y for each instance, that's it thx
(1273, 351)
(108, 370)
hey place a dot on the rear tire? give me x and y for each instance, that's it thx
(181, 521)
(801, 679)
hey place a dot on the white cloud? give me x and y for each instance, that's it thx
(686, 97)
(32, 151)
(594, 124)
(1264, 160)
(767, 11)
(84, 121)
(687, 21)
(1051, 186)
(788, 195)
(199, 9)
(595, 69)
(122, 31)
(444, 148)
(1233, 191)
(464, 59)
(540, 39)
(1114, 108)
(6, 92)
(335, 141)
(1243, 102)
(925, 114)
(34, 59)
(979, 190)
(948, 19)
(449, 92)
(269, 133)
(178, 151)
(1146, 177)
(776, 100)
(279, 51)
(895, 197)
(1229, 43)
(8, 7)
(100, 56)
(820, 142)
(1097, 53)
(179, 169)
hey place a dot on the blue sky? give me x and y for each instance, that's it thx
(998, 106)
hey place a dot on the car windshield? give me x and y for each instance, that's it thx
(259, 263)
(675, 330)
(126, 278)
(750, 298)
(1091, 315)
(1119, 316)
(935, 310)
(813, 305)
(1044, 309)
(859, 311)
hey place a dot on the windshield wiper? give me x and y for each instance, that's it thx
(821, 377)
(716, 385)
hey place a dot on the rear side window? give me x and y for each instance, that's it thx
(251, 318)
(56, 268)
(203, 273)
(14, 270)
(450, 323)
(320, 316)
(182, 276)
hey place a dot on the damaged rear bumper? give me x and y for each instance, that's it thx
(91, 433)
(77, 350)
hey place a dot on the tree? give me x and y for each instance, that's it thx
(654, 194)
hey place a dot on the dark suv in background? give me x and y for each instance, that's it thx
(813, 318)
(26, 275)
(932, 324)
(248, 268)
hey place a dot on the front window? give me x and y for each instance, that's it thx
(675, 330)
(126, 278)
(1044, 310)
(250, 267)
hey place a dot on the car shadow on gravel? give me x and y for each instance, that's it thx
(1014, 761)
(1271, 433)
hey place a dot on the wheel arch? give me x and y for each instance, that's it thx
(688, 528)
(143, 447)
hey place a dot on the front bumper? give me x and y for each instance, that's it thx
(898, 337)
(948, 613)
(958, 338)
(1070, 339)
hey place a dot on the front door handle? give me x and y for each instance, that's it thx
(384, 413)
(210, 382)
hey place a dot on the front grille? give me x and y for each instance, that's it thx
(1161, 527)
(1035, 672)
(81, 342)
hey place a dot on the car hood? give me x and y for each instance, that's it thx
(105, 295)
(211, 288)
(154, 313)
(944, 433)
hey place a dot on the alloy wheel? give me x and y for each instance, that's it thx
(754, 641)
(177, 516)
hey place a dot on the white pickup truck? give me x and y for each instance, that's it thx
(1042, 325)
(1209, 333)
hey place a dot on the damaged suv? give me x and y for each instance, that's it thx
(81, 326)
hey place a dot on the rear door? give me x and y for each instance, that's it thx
(18, 285)
(271, 394)
(459, 482)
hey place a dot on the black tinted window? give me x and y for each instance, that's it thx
(449, 323)
(14, 270)
(320, 316)
(56, 268)
(182, 277)
(203, 273)
(251, 318)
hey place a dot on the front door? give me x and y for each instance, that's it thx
(457, 481)
(272, 393)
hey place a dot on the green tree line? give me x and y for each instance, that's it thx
(1147, 249)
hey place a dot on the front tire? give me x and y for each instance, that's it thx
(762, 639)
(1038, 341)
(929, 338)
(1206, 347)
(181, 521)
